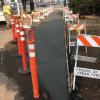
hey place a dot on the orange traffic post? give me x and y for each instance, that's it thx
(17, 29)
(33, 63)
(13, 28)
(24, 68)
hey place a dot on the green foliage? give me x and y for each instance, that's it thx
(85, 6)
(64, 3)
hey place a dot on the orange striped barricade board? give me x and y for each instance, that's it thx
(66, 11)
(79, 28)
(36, 18)
(41, 17)
(45, 12)
(51, 9)
(75, 17)
(86, 41)
(27, 20)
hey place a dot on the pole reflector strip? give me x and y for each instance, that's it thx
(31, 54)
(31, 46)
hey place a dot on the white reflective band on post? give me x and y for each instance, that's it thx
(31, 54)
(12, 22)
(17, 25)
(22, 38)
(85, 72)
(12, 19)
(88, 40)
(31, 46)
(22, 33)
(17, 30)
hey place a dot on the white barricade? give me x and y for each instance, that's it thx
(87, 41)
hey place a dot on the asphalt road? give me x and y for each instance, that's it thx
(51, 55)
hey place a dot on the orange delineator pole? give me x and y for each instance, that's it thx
(17, 29)
(23, 49)
(33, 63)
(13, 28)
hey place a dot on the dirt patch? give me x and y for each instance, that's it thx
(14, 84)
(8, 87)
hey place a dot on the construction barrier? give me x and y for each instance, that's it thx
(13, 22)
(69, 17)
(79, 27)
(36, 17)
(33, 62)
(41, 16)
(90, 41)
(27, 20)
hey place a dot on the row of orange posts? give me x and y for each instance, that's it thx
(23, 36)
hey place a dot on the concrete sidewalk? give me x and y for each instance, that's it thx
(5, 37)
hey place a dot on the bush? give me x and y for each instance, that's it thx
(87, 7)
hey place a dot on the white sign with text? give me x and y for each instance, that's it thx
(85, 72)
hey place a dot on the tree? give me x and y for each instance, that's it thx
(85, 6)
(64, 3)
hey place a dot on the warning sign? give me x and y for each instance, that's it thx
(27, 20)
(91, 73)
